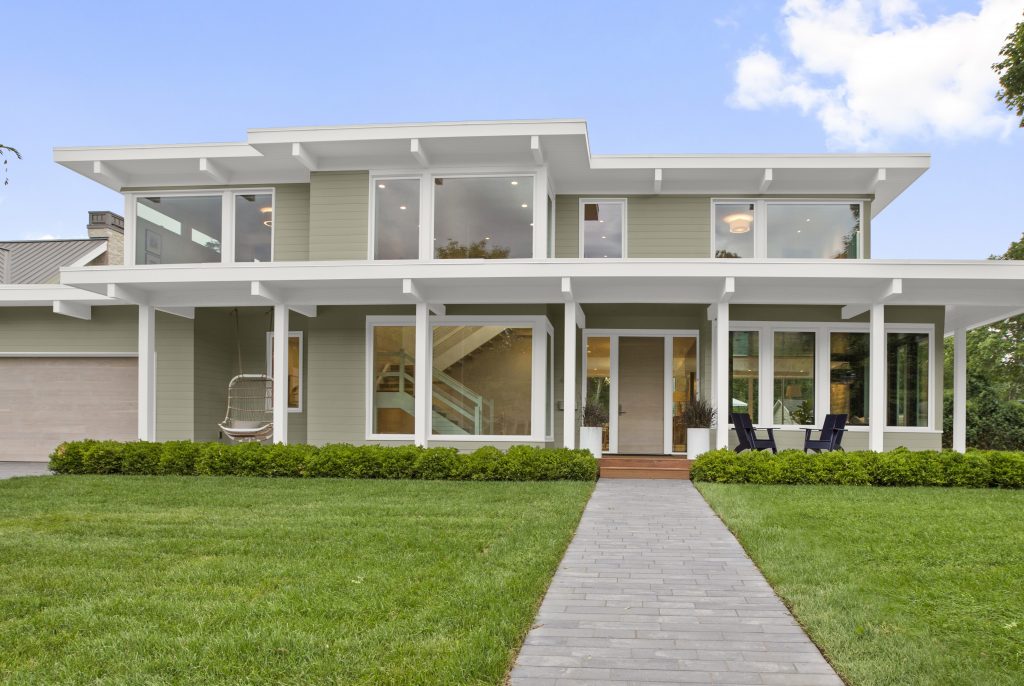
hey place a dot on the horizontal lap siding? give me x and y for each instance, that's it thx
(567, 226)
(291, 222)
(39, 330)
(216, 361)
(338, 215)
(668, 226)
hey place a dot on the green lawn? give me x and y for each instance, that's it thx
(220, 580)
(897, 585)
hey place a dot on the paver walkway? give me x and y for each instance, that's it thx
(10, 469)
(655, 590)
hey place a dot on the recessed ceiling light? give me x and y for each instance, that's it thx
(604, 237)
(515, 183)
(402, 207)
(808, 219)
(487, 238)
(380, 185)
(798, 230)
(524, 205)
(600, 221)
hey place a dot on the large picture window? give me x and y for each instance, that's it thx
(396, 219)
(907, 357)
(794, 378)
(483, 217)
(392, 403)
(849, 355)
(789, 229)
(744, 372)
(602, 228)
(178, 229)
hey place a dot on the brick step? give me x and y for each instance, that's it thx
(681, 473)
(621, 461)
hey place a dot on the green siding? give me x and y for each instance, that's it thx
(567, 226)
(338, 215)
(215, 363)
(38, 329)
(174, 385)
(668, 226)
(291, 222)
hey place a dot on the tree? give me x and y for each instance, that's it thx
(479, 250)
(1011, 72)
(4, 151)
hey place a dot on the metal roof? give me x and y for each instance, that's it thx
(40, 261)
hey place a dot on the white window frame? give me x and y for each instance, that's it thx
(539, 176)
(760, 227)
(227, 218)
(624, 202)
(372, 242)
(373, 321)
(613, 363)
(302, 364)
(822, 371)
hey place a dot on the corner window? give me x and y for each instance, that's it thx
(734, 230)
(483, 217)
(294, 367)
(820, 230)
(794, 378)
(178, 229)
(907, 358)
(254, 227)
(396, 219)
(602, 228)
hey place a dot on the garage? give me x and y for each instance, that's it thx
(46, 400)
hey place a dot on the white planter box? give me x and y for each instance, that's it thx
(698, 442)
(590, 439)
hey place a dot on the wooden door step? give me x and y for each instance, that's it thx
(644, 467)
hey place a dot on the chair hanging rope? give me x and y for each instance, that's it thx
(250, 412)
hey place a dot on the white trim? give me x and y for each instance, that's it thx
(302, 353)
(372, 322)
(88, 257)
(624, 202)
(760, 227)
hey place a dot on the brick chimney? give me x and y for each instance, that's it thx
(107, 224)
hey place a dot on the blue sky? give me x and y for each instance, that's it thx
(814, 76)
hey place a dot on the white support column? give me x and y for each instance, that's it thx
(424, 362)
(876, 374)
(569, 378)
(147, 373)
(280, 355)
(960, 390)
(721, 373)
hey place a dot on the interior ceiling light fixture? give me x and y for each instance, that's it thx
(266, 210)
(739, 222)
(402, 207)
(380, 185)
(269, 224)
(524, 205)
(515, 183)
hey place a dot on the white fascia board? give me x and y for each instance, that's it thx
(154, 152)
(968, 317)
(760, 162)
(44, 295)
(385, 132)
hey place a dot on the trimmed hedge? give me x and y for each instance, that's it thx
(900, 467)
(519, 463)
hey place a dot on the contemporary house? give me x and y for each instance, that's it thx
(477, 283)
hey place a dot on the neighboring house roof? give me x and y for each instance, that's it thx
(40, 261)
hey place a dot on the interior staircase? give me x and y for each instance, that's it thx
(645, 467)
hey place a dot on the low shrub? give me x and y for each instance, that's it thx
(899, 467)
(340, 460)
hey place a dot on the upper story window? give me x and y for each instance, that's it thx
(194, 227)
(489, 217)
(602, 228)
(787, 229)
(396, 218)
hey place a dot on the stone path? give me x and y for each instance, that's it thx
(655, 590)
(9, 469)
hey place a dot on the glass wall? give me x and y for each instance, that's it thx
(294, 368)
(603, 228)
(744, 372)
(396, 219)
(599, 378)
(254, 227)
(684, 386)
(794, 378)
(813, 230)
(483, 217)
(734, 229)
(178, 229)
(848, 368)
(907, 358)
(482, 380)
(394, 391)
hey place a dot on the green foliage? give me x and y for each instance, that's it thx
(4, 149)
(699, 414)
(341, 460)
(1011, 72)
(479, 250)
(900, 467)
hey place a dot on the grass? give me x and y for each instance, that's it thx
(897, 585)
(168, 580)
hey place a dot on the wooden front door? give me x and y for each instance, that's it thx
(641, 395)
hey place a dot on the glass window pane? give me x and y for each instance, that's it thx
(394, 348)
(396, 219)
(254, 222)
(848, 387)
(684, 386)
(178, 229)
(483, 217)
(482, 380)
(907, 355)
(294, 372)
(818, 230)
(602, 229)
(599, 378)
(794, 378)
(744, 372)
(734, 229)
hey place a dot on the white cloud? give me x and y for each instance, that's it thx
(873, 71)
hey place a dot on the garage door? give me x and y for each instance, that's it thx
(46, 400)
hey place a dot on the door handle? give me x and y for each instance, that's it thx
(621, 411)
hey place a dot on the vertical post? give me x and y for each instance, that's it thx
(960, 390)
(147, 373)
(876, 381)
(280, 355)
(423, 364)
(721, 374)
(569, 378)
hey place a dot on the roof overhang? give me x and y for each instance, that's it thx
(973, 293)
(288, 155)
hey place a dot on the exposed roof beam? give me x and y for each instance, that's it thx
(895, 287)
(581, 319)
(258, 289)
(128, 295)
(411, 289)
(213, 170)
(104, 169)
(301, 153)
(535, 149)
(72, 309)
(657, 181)
(880, 178)
(304, 310)
(766, 180)
(417, 151)
(728, 290)
(184, 312)
(566, 289)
